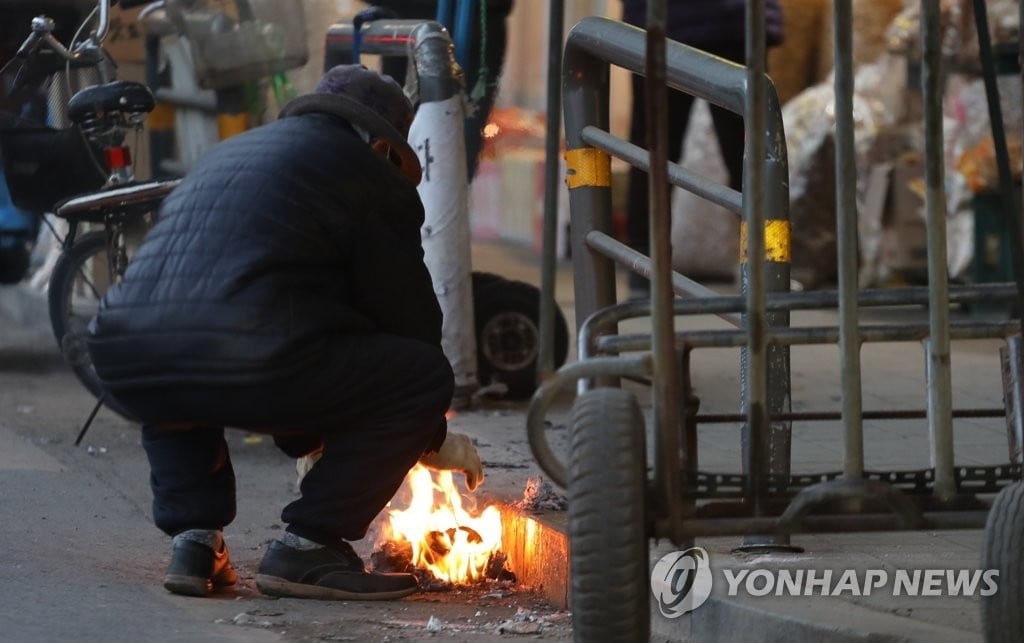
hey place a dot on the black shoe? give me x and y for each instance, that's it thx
(196, 569)
(329, 573)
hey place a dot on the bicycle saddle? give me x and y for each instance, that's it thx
(118, 96)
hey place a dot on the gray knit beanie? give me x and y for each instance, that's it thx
(376, 91)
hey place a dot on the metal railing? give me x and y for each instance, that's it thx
(772, 501)
(591, 46)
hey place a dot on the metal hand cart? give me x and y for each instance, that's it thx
(615, 506)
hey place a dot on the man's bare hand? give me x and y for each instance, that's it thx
(457, 454)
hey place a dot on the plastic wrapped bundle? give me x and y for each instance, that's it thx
(969, 139)
(705, 236)
(809, 121)
(959, 35)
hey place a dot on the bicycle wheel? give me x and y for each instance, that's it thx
(80, 278)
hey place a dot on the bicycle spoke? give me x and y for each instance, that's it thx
(92, 287)
(53, 231)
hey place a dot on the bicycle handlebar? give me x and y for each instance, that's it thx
(104, 21)
(86, 53)
(29, 45)
(42, 26)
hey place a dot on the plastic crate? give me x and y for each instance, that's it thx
(240, 41)
(993, 262)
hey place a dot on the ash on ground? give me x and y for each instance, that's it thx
(539, 495)
(396, 557)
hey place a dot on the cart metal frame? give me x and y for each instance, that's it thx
(766, 498)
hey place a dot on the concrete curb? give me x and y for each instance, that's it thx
(538, 552)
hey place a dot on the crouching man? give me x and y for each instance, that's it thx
(283, 291)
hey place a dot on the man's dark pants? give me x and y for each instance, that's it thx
(375, 403)
(728, 129)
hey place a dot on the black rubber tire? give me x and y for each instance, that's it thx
(482, 280)
(507, 320)
(608, 540)
(1002, 614)
(69, 332)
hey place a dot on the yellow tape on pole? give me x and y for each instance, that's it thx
(161, 119)
(776, 241)
(229, 125)
(588, 167)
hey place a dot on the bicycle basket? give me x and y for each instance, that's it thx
(43, 166)
(239, 41)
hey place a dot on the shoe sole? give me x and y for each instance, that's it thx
(195, 585)
(187, 585)
(275, 586)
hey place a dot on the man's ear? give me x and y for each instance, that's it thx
(384, 149)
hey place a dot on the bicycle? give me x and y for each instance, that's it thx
(83, 174)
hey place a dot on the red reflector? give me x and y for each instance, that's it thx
(118, 157)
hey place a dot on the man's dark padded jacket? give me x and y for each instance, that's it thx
(708, 24)
(278, 239)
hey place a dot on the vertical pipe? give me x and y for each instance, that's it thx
(846, 240)
(690, 450)
(940, 418)
(756, 363)
(437, 136)
(445, 11)
(1011, 358)
(1008, 192)
(549, 251)
(665, 373)
(464, 11)
(777, 267)
(588, 176)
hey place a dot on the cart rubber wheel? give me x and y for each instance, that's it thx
(607, 490)
(507, 317)
(70, 328)
(482, 280)
(1002, 616)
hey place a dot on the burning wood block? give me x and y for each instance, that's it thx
(438, 539)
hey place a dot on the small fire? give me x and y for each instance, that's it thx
(446, 540)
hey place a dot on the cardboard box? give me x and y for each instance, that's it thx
(126, 41)
(485, 201)
(522, 194)
(905, 238)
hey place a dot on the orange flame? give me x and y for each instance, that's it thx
(446, 539)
